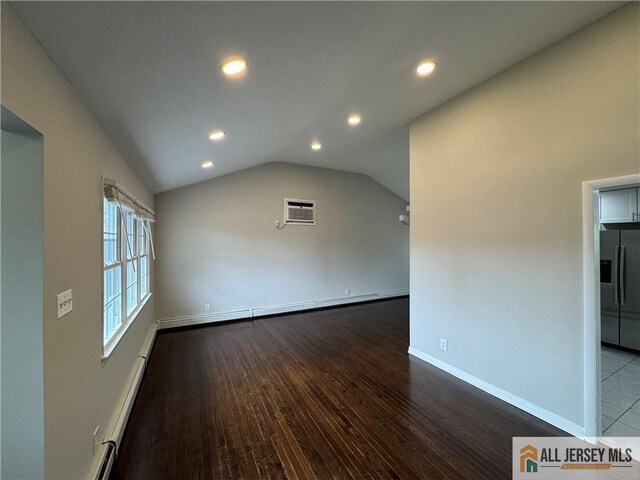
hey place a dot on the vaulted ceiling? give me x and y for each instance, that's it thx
(150, 73)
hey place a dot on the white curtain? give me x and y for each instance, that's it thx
(117, 194)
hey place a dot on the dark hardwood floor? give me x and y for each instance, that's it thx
(324, 394)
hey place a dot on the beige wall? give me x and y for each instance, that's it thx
(496, 233)
(217, 242)
(80, 391)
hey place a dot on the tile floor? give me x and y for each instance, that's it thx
(620, 393)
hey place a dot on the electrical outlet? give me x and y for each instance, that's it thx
(347, 291)
(65, 303)
(444, 344)
(97, 441)
(207, 307)
(277, 223)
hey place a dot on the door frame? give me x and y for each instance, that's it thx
(22, 211)
(591, 295)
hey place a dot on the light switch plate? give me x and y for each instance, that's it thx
(65, 303)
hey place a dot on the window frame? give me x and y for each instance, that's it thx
(122, 260)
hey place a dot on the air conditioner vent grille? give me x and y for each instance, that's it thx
(300, 212)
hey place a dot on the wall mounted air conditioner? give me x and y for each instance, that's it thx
(299, 212)
(406, 219)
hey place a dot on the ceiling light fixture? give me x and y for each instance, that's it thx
(217, 135)
(354, 119)
(233, 66)
(207, 164)
(316, 145)
(426, 68)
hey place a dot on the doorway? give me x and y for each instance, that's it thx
(607, 401)
(21, 303)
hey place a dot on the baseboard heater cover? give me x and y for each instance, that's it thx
(114, 437)
(252, 312)
(107, 462)
(121, 422)
(262, 311)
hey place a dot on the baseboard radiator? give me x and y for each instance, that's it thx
(254, 312)
(107, 462)
(114, 437)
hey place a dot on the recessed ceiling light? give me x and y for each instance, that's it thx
(207, 164)
(316, 145)
(354, 119)
(233, 66)
(426, 68)
(217, 135)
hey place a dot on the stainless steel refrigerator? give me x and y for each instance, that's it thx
(620, 287)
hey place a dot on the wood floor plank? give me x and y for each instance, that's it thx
(328, 394)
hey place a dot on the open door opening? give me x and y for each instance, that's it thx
(611, 247)
(21, 297)
(619, 261)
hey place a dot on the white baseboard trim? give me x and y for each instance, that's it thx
(250, 312)
(118, 422)
(543, 414)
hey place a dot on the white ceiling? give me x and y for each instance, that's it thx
(149, 71)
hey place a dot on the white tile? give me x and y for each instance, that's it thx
(615, 352)
(612, 364)
(611, 411)
(623, 378)
(619, 386)
(631, 419)
(620, 354)
(627, 375)
(636, 361)
(635, 408)
(631, 370)
(604, 375)
(616, 400)
(606, 422)
(620, 378)
(630, 396)
(619, 429)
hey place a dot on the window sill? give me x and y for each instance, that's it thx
(114, 341)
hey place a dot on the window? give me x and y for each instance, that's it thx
(126, 269)
(112, 271)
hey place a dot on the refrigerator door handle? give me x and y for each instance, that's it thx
(616, 261)
(621, 281)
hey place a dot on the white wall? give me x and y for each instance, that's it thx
(496, 233)
(217, 242)
(81, 392)
(21, 333)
